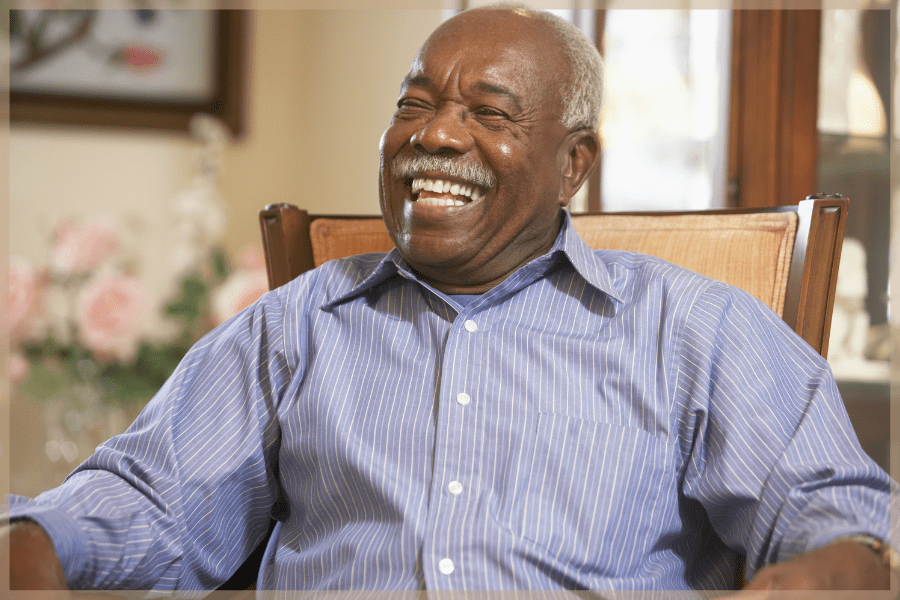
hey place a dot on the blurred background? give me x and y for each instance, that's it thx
(143, 141)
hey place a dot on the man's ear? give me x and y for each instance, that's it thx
(578, 156)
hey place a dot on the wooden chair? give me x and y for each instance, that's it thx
(786, 256)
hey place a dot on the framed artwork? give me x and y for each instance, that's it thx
(149, 69)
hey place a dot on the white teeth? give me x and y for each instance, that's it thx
(441, 186)
(440, 202)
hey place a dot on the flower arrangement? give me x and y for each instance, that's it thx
(96, 342)
(79, 321)
(78, 326)
(100, 319)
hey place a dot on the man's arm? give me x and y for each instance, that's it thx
(33, 564)
(184, 495)
(773, 458)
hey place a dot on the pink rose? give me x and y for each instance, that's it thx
(240, 290)
(252, 258)
(109, 316)
(26, 295)
(82, 247)
(18, 367)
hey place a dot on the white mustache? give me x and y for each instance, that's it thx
(410, 166)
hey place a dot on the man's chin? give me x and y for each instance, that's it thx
(433, 254)
(429, 260)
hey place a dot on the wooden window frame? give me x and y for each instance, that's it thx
(774, 98)
(773, 137)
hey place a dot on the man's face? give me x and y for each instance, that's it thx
(479, 113)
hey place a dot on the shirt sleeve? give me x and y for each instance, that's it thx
(769, 449)
(180, 499)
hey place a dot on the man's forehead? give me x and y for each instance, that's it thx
(493, 63)
(489, 35)
(486, 72)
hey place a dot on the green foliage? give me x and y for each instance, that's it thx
(192, 299)
(45, 380)
(57, 368)
(140, 380)
(221, 266)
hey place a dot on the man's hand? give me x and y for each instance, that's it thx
(33, 564)
(841, 565)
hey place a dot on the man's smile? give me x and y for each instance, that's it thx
(442, 192)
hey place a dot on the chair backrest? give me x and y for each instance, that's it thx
(786, 256)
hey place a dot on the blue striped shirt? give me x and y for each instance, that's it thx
(599, 420)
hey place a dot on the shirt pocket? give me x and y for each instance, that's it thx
(595, 493)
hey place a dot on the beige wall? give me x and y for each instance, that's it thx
(322, 87)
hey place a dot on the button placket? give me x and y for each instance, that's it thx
(455, 476)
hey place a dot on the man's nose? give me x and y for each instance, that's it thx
(446, 133)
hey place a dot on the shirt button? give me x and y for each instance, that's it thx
(463, 398)
(446, 566)
(455, 487)
(471, 326)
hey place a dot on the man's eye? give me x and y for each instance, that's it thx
(487, 111)
(411, 105)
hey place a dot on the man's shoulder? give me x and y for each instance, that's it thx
(634, 274)
(332, 279)
(628, 265)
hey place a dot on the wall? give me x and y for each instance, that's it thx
(324, 86)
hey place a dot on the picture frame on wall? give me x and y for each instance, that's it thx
(144, 69)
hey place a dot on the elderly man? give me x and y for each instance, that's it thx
(492, 405)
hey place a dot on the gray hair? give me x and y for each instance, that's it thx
(469, 171)
(584, 96)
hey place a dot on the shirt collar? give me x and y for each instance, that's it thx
(585, 261)
(568, 246)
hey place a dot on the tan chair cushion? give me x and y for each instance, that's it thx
(337, 238)
(750, 251)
